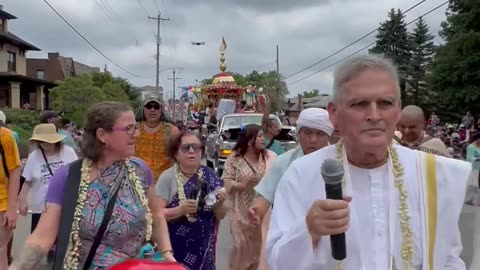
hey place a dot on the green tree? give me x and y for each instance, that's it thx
(122, 88)
(392, 41)
(420, 62)
(114, 92)
(455, 69)
(311, 94)
(273, 86)
(75, 95)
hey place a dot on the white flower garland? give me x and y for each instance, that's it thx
(72, 255)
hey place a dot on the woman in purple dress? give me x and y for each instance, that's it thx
(193, 199)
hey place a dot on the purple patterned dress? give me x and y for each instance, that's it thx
(126, 230)
(193, 243)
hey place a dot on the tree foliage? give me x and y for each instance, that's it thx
(422, 52)
(76, 94)
(311, 94)
(455, 69)
(393, 42)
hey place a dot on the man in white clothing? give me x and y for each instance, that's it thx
(401, 206)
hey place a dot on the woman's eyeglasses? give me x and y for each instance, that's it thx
(154, 106)
(196, 147)
(130, 129)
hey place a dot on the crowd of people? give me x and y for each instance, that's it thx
(131, 182)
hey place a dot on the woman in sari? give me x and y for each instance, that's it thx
(243, 170)
(107, 177)
(192, 196)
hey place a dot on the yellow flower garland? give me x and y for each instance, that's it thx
(181, 187)
(403, 211)
(72, 255)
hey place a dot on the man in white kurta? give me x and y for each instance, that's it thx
(366, 113)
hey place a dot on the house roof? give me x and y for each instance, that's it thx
(6, 15)
(14, 40)
(7, 77)
(321, 103)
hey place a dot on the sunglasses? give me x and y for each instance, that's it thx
(196, 147)
(154, 106)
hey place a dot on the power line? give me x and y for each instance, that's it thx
(90, 43)
(349, 45)
(156, 4)
(143, 7)
(369, 45)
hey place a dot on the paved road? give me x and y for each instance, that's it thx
(467, 225)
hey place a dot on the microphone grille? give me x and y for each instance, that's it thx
(332, 171)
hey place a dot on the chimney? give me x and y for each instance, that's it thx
(1, 7)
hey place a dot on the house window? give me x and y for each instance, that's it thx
(41, 74)
(12, 62)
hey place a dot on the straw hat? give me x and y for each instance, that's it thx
(435, 146)
(46, 133)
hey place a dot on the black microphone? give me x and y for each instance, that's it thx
(332, 173)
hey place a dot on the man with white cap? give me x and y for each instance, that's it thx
(314, 129)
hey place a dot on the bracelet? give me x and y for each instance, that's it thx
(167, 251)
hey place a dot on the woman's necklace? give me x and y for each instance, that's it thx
(181, 187)
(403, 211)
(153, 126)
(73, 251)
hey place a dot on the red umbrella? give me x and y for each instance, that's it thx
(146, 265)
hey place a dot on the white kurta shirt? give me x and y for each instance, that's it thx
(289, 244)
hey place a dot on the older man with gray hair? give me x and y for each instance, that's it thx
(401, 207)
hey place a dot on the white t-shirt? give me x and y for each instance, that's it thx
(36, 172)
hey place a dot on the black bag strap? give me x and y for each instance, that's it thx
(4, 159)
(103, 226)
(270, 144)
(69, 204)
(46, 160)
(249, 165)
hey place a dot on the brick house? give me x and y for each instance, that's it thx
(56, 67)
(16, 88)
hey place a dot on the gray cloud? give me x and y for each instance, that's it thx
(305, 30)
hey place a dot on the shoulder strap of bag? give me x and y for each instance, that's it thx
(103, 226)
(270, 144)
(69, 204)
(249, 165)
(4, 160)
(46, 161)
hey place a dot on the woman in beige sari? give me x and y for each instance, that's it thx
(243, 170)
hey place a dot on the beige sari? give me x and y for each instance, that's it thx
(247, 250)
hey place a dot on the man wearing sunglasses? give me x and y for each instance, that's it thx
(155, 132)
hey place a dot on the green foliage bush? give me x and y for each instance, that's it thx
(23, 122)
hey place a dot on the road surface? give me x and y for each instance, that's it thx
(467, 227)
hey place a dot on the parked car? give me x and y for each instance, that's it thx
(222, 138)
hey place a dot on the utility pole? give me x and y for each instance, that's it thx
(174, 78)
(278, 63)
(159, 19)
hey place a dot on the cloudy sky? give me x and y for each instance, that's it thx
(305, 30)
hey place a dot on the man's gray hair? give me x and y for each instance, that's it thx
(353, 66)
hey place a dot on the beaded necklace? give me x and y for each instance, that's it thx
(181, 187)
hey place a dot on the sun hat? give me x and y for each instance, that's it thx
(46, 133)
(435, 146)
(49, 115)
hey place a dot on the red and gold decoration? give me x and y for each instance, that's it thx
(224, 86)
